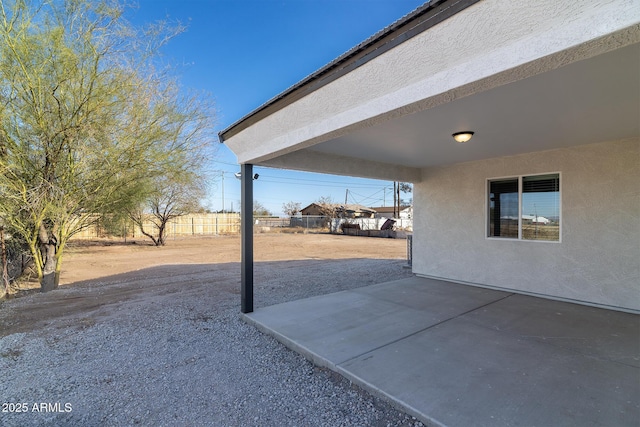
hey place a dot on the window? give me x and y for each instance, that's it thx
(525, 208)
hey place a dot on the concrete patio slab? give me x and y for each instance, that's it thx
(590, 331)
(344, 325)
(458, 355)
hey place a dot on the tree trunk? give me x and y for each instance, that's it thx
(4, 290)
(48, 247)
(149, 235)
(161, 229)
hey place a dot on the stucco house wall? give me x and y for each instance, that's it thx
(597, 260)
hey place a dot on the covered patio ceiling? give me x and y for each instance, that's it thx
(593, 100)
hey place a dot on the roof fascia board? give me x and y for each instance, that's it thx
(420, 20)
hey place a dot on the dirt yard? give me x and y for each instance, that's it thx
(110, 271)
(96, 259)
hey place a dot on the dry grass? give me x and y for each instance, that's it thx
(509, 229)
(541, 232)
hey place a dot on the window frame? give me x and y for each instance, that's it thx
(519, 178)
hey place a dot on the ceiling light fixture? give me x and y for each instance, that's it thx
(462, 136)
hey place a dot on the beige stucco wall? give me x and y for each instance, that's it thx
(598, 258)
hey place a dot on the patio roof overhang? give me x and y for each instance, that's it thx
(524, 77)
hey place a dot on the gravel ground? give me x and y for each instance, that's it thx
(176, 352)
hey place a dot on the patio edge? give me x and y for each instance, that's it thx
(323, 362)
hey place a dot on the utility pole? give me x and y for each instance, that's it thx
(394, 198)
(346, 196)
(222, 191)
(398, 199)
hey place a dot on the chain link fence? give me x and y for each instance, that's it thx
(323, 224)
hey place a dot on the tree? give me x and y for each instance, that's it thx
(327, 207)
(11, 250)
(169, 197)
(181, 184)
(291, 208)
(4, 286)
(260, 210)
(405, 187)
(86, 120)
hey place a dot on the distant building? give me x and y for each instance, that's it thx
(535, 219)
(340, 210)
(354, 211)
(384, 211)
(407, 213)
(388, 212)
(313, 209)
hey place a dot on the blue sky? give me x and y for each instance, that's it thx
(246, 52)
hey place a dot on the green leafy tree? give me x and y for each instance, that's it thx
(405, 188)
(86, 120)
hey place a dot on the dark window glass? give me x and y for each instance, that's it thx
(503, 208)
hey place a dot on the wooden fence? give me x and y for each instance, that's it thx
(187, 225)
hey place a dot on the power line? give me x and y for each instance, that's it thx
(372, 196)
